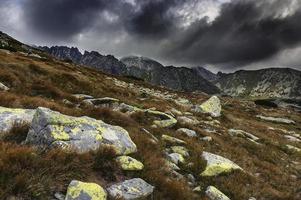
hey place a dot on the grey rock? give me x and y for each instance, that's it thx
(77, 133)
(131, 189)
(214, 194)
(176, 158)
(276, 119)
(188, 120)
(187, 132)
(212, 106)
(3, 87)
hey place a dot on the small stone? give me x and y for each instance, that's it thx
(187, 132)
(180, 150)
(129, 164)
(3, 87)
(79, 190)
(172, 140)
(176, 158)
(276, 119)
(207, 139)
(214, 194)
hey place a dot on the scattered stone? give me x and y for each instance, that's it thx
(176, 112)
(214, 194)
(172, 140)
(291, 138)
(176, 158)
(67, 102)
(14, 116)
(78, 190)
(3, 87)
(187, 132)
(106, 102)
(293, 148)
(172, 165)
(59, 196)
(188, 120)
(276, 119)
(197, 189)
(244, 134)
(207, 139)
(180, 150)
(131, 189)
(252, 198)
(128, 108)
(129, 164)
(166, 121)
(212, 106)
(217, 164)
(82, 96)
(81, 134)
(154, 138)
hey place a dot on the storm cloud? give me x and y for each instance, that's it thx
(224, 33)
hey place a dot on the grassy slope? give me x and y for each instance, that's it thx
(28, 173)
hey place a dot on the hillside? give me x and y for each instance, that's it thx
(137, 140)
(264, 83)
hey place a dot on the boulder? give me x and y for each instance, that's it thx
(212, 106)
(187, 132)
(12, 116)
(135, 188)
(176, 112)
(165, 120)
(129, 164)
(292, 138)
(78, 190)
(244, 134)
(214, 194)
(276, 119)
(188, 120)
(176, 158)
(77, 133)
(102, 102)
(3, 87)
(180, 150)
(172, 140)
(217, 165)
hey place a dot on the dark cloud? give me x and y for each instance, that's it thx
(238, 35)
(244, 31)
(61, 18)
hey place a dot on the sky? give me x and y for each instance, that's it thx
(222, 35)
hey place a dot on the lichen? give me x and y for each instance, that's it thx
(77, 188)
(128, 163)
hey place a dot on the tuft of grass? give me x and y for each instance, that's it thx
(17, 134)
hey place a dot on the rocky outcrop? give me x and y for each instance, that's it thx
(211, 106)
(128, 163)
(14, 116)
(217, 165)
(264, 83)
(50, 128)
(78, 190)
(214, 194)
(131, 189)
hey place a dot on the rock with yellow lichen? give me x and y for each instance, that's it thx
(164, 121)
(214, 194)
(81, 134)
(129, 164)
(78, 190)
(211, 106)
(135, 188)
(180, 150)
(217, 165)
(12, 116)
(172, 140)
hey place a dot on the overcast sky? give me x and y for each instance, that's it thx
(223, 35)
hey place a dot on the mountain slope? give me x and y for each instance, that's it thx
(206, 74)
(264, 83)
(177, 78)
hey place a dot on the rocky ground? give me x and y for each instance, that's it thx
(70, 132)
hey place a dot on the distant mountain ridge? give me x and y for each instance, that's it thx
(263, 83)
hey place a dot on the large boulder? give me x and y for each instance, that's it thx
(50, 128)
(217, 165)
(135, 188)
(211, 106)
(14, 116)
(128, 163)
(78, 190)
(214, 194)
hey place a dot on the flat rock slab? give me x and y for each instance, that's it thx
(131, 189)
(78, 190)
(214, 194)
(276, 119)
(82, 134)
(13, 116)
(217, 165)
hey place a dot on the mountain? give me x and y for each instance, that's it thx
(108, 64)
(176, 78)
(206, 74)
(180, 79)
(264, 83)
